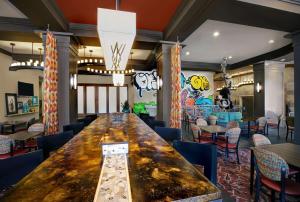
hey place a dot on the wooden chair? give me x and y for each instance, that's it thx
(199, 136)
(260, 126)
(289, 127)
(272, 172)
(273, 121)
(231, 143)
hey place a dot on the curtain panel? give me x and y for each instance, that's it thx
(50, 115)
(175, 115)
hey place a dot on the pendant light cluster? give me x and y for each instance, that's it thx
(29, 64)
(89, 61)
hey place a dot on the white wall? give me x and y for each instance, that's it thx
(9, 84)
(274, 87)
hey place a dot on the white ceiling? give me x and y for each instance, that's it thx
(9, 10)
(276, 4)
(138, 54)
(21, 47)
(239, 41)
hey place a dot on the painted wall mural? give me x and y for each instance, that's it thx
(145, 81)
(197, 88)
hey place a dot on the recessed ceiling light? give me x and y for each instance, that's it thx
(271, 41)
(282, 60)
(216, 34)
(187, 53)
(230, 57)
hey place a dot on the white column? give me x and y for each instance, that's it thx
(274, 87)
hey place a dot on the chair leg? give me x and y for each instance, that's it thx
(278, 131)
(227, 154)
(287, 135)
(257, 193)
(237, 156)
(273, 196)
(282, 196)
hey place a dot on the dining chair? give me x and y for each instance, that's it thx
(6, 146)
(232, 124)
(200, 154)
(231, 143)
(13, 169)
(260, 140)
(75, 127)
(169, 134)
(51, 143)
(273, 121)
(85, 120)
(156, 123)
(289, 127)
(260, 126)
(272, 172)
(200, 136)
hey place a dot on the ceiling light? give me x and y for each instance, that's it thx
(216, 34)
(117, 30)
(282, 60)
(187, 53)
(271, 41)
(229, 57)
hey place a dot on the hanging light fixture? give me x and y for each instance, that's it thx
(117, 30)
(29, 64)
(89, 61)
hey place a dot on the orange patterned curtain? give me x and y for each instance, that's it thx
(175, 117)
(50, 117)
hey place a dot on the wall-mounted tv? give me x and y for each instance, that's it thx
(25, 89)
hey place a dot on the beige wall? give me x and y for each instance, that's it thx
(9, 84)
(289, 86)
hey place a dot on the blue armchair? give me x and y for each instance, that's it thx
(155, 123)
(169, 134)
(75, 127)
(200, 154)
(53, 142)
(15, 168)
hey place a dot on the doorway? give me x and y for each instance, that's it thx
(247, 106)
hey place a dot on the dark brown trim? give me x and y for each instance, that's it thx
(97, 99)
(107, 99)
(84, 100)
(200, 66)
(118, 99)
(267, 56)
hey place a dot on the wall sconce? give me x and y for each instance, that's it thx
(258, 87)
(73, 81)
(159, 82)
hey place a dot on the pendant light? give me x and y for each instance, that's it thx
(29, 64)
(89, 61)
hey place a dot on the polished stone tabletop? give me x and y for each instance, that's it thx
(156, 171)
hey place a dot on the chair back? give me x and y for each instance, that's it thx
(169, 134)
(195, 130)
(232, 124)
(201, 122)
(156, 123)
(13, 169)
(233, 135)
(37, 127)
(51, 143)
(75, 127)
(272, 117)
(290, 121)
(260, 140)
(270, 164)
(262, 121)
(86, 120)
(200, 154)
(5, 144)
(92, 116)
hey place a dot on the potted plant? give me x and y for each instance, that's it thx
(125, 107)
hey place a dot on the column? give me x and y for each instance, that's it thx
(67, 65)
(296, 45)
(259, 97)
(164, 94)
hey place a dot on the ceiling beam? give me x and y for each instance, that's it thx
(267, 56)
(43, 12)
(255, 15)
(188, 17)
(200, 66)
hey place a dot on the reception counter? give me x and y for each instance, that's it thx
(156, 171)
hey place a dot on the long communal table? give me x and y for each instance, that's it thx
(156, 171)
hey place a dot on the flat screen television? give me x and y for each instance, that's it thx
(25, 89)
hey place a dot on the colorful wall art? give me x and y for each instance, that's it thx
(197, 88)
(145, 81)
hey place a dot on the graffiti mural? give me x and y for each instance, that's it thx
(145, 81)
(196, 90)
